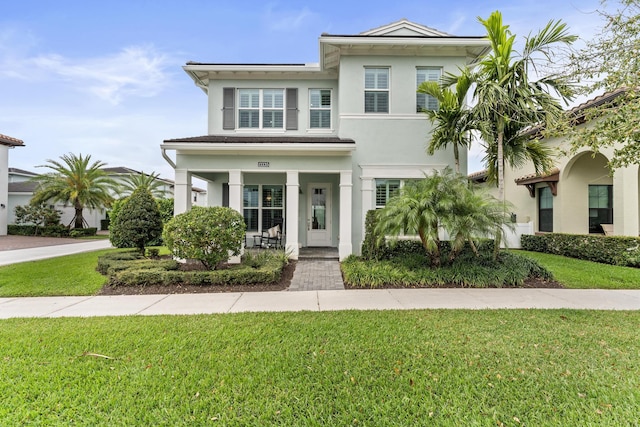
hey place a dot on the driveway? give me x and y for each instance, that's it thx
(9, 243)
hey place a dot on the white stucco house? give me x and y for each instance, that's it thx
(580, 195)
(6, 143)
(313, 147)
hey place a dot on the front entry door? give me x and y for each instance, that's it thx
(319, 215)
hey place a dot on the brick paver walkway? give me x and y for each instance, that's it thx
(317, 269)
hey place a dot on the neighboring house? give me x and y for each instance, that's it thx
(313, 147)
(6, 143)
(580, 195)
(21, 190)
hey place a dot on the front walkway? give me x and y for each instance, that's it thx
(317, 269)
(383, 299)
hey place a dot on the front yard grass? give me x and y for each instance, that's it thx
(391, 368)
(579, 274)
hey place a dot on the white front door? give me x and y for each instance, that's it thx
(319, 215)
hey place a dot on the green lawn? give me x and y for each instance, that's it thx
(578, 274)
(66, 275)
(388, 368)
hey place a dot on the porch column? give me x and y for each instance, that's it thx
(626, 206)
(235, 201)
(214, 193)
(4, 189)
(345, 247)
(182, 192)
(292, 218)
(367, 200)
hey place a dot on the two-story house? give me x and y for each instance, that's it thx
(313, 147)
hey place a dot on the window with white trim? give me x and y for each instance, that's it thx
(320, 108)
(385, 189)
(376, 90)
(261, 108)
(427, 74)
(263, 207)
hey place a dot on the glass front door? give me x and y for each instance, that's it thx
(319, 215)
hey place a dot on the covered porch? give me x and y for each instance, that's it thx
(303, 187)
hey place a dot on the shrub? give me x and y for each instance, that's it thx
(137, 223)
(165, 206)
(30, 230)
(615, 250)
(208, 235)
(468, 270)
(38, 215)
(373, 245)
(81, 232)
(131, 269)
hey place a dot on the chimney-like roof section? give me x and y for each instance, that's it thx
(10, 141)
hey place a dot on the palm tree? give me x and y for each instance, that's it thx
(453, 122)
(442, 200)
(143, 181)
(508, 99)
(74, 180)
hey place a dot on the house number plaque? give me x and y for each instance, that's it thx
(263, 164)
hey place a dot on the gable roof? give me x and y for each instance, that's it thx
(23, 187)
(16, 171)
(404, 27)
(10, 141)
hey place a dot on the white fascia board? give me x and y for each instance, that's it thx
(407, 41)
(279, 148)
(255, 68)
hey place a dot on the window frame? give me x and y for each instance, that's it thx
(595, 226)
(321, 108)
(548, 212)
(261, 207)
(427, 98)
(262, 108)
(388, 192)
(376, 90)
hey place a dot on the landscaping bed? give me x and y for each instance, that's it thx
(129, 273)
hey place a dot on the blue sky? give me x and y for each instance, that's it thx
(105, 78)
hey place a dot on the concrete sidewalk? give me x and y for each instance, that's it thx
(383, 299)
(43, 252)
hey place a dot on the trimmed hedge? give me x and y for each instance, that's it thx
(130, 268)
(615, 250)
(81, 232)
(30, 230)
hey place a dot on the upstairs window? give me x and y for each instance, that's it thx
(320, 108)
(376, 90)
(261, 108)
(424, 101)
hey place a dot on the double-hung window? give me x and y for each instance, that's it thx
(385, 189)
(600, 207)
(320, 108)
(263, 207)
(424, 101)
(376, 90)
(261, 108)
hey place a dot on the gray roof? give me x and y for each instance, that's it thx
(22, 187)
(224, 139)
(22, 172)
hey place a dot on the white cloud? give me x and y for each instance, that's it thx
(134, 71)
(286, 20)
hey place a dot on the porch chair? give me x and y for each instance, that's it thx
(271, 238)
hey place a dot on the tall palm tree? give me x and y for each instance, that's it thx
(508, 97)
(144, 181)
(74, 180)
(453, 121)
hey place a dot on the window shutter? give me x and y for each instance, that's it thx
(228, 108)
(292, 109)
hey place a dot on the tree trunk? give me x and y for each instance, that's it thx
(78, 218)
(456, 156)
